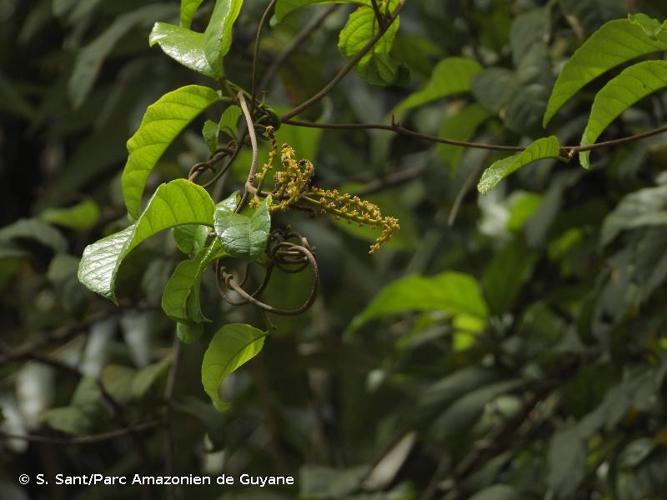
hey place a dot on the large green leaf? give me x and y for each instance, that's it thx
(231, 347)
(183, 45)
(188, 10)
(218, 34)
(175, 203)
(161, 124)
(180, 300)
(284, 7)
(613, 44)
(450, 292)
(546, 147)
(376, 66)
(89, 59)
(450, 76)
(632, 85)
(243, 235)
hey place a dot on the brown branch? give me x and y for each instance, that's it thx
(255, 55)
(250, 180)
(94, 438)
(566, 151)
(345, 69)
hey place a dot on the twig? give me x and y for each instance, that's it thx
(378, 14)
(345, 69)
(301, 37)
(566, 151)
(93, 438)
(255, 55)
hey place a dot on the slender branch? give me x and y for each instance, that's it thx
(566, 151)
(378, 14)
(250, 181)
(345, 69)
(296, 42)
(255, 55)
(398, 129)
(93, 438)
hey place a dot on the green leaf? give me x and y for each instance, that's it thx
(180, 299)
(182, 45)
(209, 133)
(645, 207)
(546, 147)
(376, 66)
(284, 7)
(462, 126)
(450, 292)
(231, 347)
(632, 85)
(35, 230)
(652, 27)
(188, 10)
(175, 203)
(450, 76)
(496, 492)
(567, 462)
(89, 59)
(148, 377)
(189, 333)
(190, 238)
(243, 235)
(161, 124)
(613, 44)
(80, 217)
(229, 121)
(218, 34)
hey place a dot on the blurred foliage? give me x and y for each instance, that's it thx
(507, 346)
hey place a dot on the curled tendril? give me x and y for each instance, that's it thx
(199, 168)
(284, 254)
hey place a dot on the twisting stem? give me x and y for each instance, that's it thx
(378, 14)
(255, 55)
(250, 181)
(345, 69)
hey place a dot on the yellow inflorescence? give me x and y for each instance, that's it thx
(293, 190)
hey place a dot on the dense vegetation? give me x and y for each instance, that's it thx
(229, 291)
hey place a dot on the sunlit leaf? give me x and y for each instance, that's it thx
(162, 123)
(188, 10)
(175, 203)
(547, 147)
(450, 292)
(184, 46)
(231, 347)
(451, 76)
(632, 85)
(218, 34)
(616, 42)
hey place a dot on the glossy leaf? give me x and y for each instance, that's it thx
(175, 203)
(376, 66)
(547, 147)
(451, 76)
(231, 347)
(188, 10)
(450, 292)
(284, 7)
(180, 300)
(190, 238)
(218, 34)
(615, 43)
(632, 85)
(89, 60)
(243, 235)
(184, 46)
(80, 217)
(162, 123)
